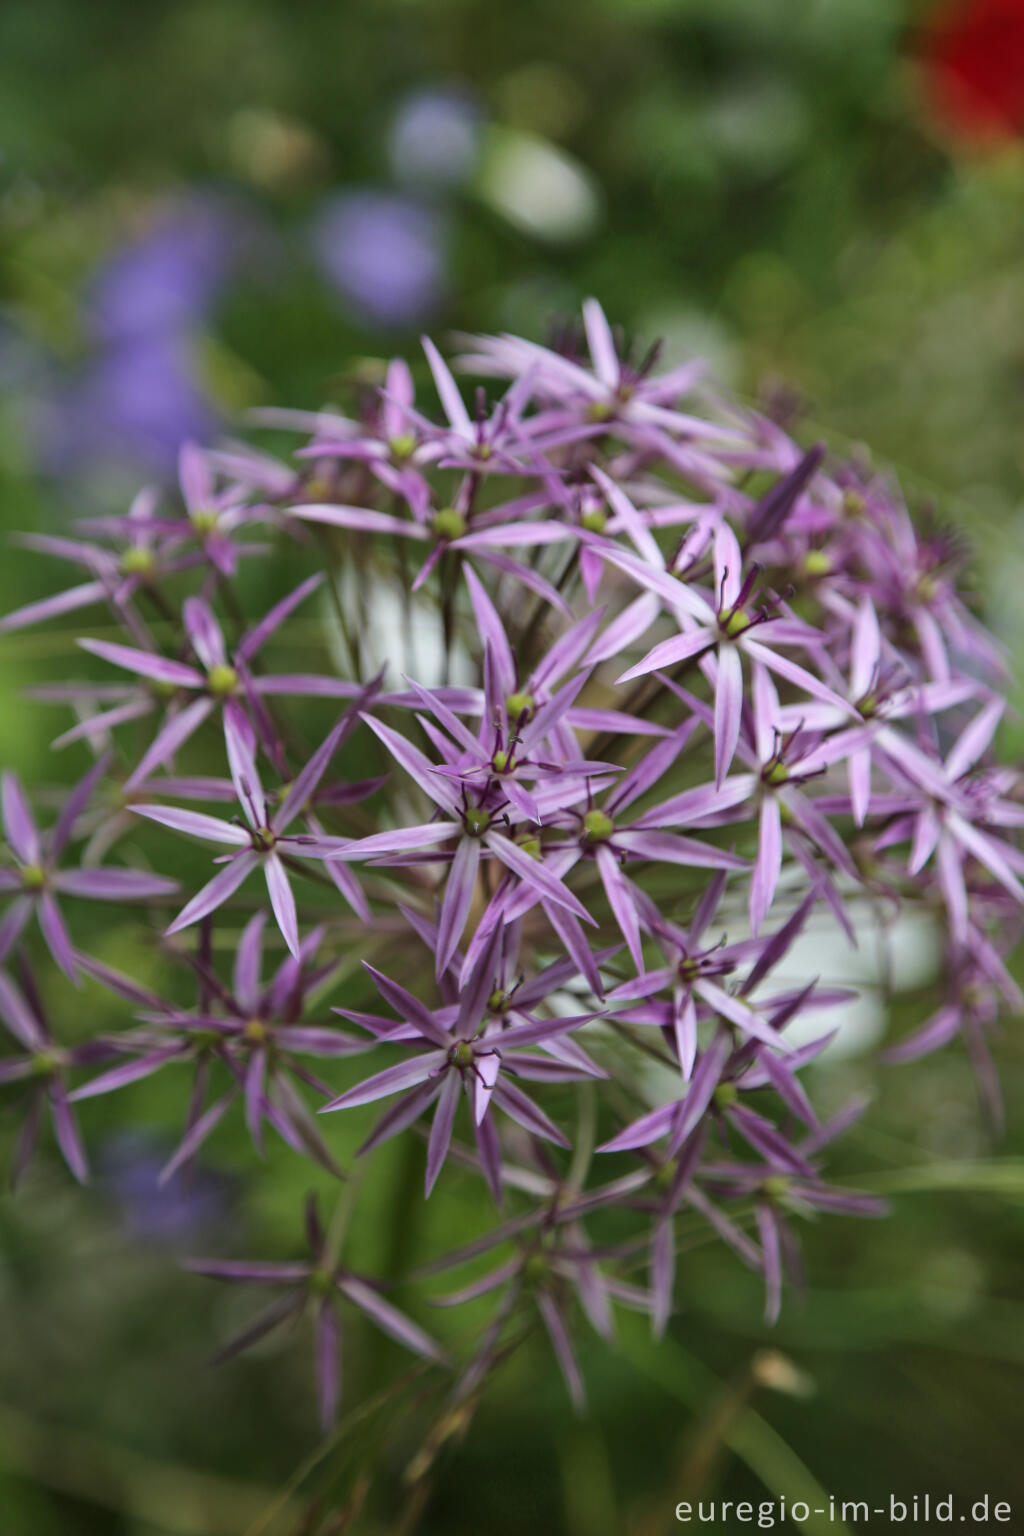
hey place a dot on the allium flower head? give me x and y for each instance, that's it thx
(669, 691)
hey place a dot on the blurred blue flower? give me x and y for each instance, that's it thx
(435, 138)
(136, 402)
(169, 278)
(140, 393)
(384, 253)
(176, 1212)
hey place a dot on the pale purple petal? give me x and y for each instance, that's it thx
(620, 899)
(441, 1128)
(535, 875)
(459, 891)
(249, 963)
(974, 739)
(282, 899)
(127, 1072)
(600, 344)
(19, 1018)
(558, 1333)
(58, 940)
(66, 1132)
(258, 636)
(865, 650)
(327, 1351)
(113, 884)
(172, 735)
(663, 1261)
(51, 607)
(492, 631)
(768, 865)
(388, 1318)
(145, 664)
(414, 763)
(728, 709)
(13, 923)
(204, 633)
(224, 884)
(195, 823)
(19, 825)
(408, 1074)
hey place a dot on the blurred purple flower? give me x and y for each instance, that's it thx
(140, 396)
(383, 253)
(170, 278)
(168, 1211)
(139, 400)
(33, 878)
(315, 1286)
(435, 138)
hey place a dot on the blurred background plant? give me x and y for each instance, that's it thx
(210, 207)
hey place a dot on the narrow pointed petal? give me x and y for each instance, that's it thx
(768, 865)
(52, 607)
(459, 890)
(663, 1263)
(535, 875)
(66, 1131)
(19, 824)
(113, 884)
(178, 729)
(728, 709)
(441, 1128)
(282, 899)
(18, 1016)
(408, 1074)
(448, 391)
(561, 1343)
(224, 884)
(145, 664)
(204, 633)
(257, 637)
(327, 1354)
(195, 823)
(600, 344)
(389, 1319)
(58, 940)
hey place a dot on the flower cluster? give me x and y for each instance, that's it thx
(644, 687)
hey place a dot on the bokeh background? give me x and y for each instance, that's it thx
(215, 206)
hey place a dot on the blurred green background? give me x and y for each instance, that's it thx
(212, 206)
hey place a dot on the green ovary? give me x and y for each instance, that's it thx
(597, 827)
(222, 681)
(449, 524)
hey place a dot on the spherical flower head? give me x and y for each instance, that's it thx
(654, 738)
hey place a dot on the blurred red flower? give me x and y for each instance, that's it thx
(974, 59)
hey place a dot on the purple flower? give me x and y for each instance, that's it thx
(170, 276)
(675, 688)
(169, 1211)
(255, 1032)
(36, 880)
(435, 138)
(384, 254)
(136, 402)
(469, 1043)
(315, 1286)
(262, 840)
(219, 680)
(555, 1271)
(729, 626)
(42, 1069)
